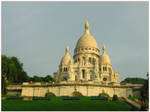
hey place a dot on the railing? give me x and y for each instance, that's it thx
(12, 87)
(72, 83)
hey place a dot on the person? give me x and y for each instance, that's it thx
(30, 82)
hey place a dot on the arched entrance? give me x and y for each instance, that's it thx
(104, 94)
(76, 93)
(76, 78)
(50, 94)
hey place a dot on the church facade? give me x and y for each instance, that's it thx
(87, 63)
(89, 73)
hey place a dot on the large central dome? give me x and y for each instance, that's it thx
(87, 40)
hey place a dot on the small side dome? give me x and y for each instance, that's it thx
(66, 59)
(104, 58)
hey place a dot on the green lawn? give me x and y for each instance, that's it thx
(56, 103)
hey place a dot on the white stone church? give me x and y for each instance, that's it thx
(88, 63)
(89, 74)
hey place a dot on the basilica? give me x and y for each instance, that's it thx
(88, 63)
(89, 73)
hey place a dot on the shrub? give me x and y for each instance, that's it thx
(104, 95)
(134, 98)
(99, 98)
(40, 98)
(129, 96)
(115, 97)
(14, 98)
(71, 98)
(64, 96)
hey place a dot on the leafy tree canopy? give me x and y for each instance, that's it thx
(13, 69)
(134, 80)
(47, 78)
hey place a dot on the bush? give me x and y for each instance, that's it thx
(14, 98)
(99, 98)
(64, 96)
(40, 98)
(104, 95)
(134, 98)
(115, 98)
(131, 97)
(71, 98)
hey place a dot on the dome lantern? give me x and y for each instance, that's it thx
(104, 49)
(87, 27)
(67, 50)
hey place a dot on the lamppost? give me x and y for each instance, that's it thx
(147, 75)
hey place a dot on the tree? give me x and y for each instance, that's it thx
(134, 80)
(115, 98)
(37, 79)
(13, 68)
(49, 78)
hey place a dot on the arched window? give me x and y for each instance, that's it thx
(93, 60)
(83, 74)
(78, 59)
(76, 78)
(91, 77)
(104, 68)
(75, 61)
(83, 61)
(90, 59)
(109, 69)
(64, 69)
(99, 69)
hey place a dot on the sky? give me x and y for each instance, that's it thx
(38, 32)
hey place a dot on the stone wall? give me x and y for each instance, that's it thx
(67, 89)
(14, 90)
(84, 89)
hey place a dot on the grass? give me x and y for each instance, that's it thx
(57, 104)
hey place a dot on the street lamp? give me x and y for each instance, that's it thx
(147, 75)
